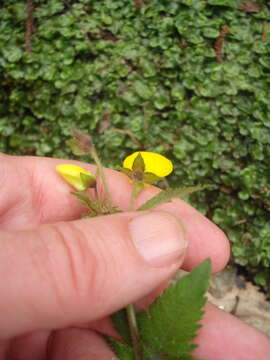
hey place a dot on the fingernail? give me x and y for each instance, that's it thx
(158, 237)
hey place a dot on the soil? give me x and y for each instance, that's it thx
(233, 294)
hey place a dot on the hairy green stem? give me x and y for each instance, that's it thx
(136, 190)
(131, 314)
(102, 175)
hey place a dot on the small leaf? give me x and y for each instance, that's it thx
(249, 6)
(120, 323)
(168, 195)
(92, 205)
(171, 322)
(138, 164)
(142, 90)
(123, 351)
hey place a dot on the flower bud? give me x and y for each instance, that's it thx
(76, 176)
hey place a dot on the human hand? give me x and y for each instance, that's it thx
(64, 274)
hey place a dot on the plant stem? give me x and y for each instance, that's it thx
(136, 190)
(29, 26)
(131, 314)
(102, 175)
(97, 200)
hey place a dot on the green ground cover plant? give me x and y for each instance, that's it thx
(185, 78)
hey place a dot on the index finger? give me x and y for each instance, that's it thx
(40, 196)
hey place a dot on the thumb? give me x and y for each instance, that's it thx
(70, 272)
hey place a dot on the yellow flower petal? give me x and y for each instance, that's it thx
(154, 163)
(72, 175)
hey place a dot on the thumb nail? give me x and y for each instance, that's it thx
(158, 237)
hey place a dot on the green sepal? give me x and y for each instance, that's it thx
(89, 181)
(150, 178)
(138, 164)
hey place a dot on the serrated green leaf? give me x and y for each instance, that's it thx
(123, 351)
(150, 356)
(120, 323)
(171, 323)
(168, 195)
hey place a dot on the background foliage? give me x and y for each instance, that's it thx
(105, 65)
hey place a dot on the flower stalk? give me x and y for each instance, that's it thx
(134, 331)
(100, 172)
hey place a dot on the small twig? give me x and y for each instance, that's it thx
(29, 27)
(130, 134)
(234, 309)
(249, 6)
(182, 43)
(166, 183)
(145, 120)
(265, 31)
(220, 42)
(138, 4)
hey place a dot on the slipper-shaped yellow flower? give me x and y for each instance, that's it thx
(76, 176)
(147, 166)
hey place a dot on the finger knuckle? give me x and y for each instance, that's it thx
(80, 269)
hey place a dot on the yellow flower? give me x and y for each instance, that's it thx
(147, 166)
(76, 176)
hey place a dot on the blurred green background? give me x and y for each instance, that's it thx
(104, 66)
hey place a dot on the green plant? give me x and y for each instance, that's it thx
(152, 73)
(168, 327)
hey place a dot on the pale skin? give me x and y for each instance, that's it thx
(61, 277)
